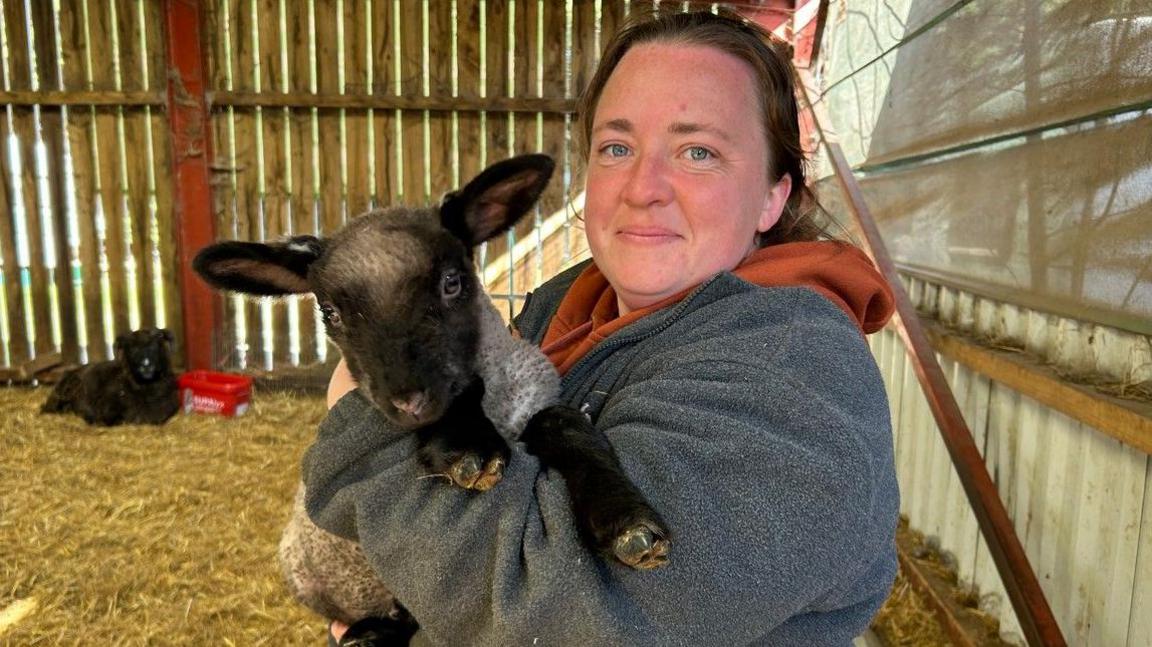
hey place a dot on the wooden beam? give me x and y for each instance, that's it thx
(306, 100)
(189, 121)
(1128, 421)
(82, 98)
(940, 607)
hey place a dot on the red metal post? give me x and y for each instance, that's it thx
(189, 121)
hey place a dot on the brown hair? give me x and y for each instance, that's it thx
(770, 61)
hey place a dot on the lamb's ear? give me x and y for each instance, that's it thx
(257, 268)
(119, 345)
(492, 202)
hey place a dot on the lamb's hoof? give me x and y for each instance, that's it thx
(472, 473)
(641, 546)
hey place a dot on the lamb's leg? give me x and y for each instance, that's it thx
(62, 395)
(611, 512)
(464, 445)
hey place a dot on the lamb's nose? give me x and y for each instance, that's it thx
(411, 403)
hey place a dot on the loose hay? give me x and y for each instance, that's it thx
(142, 535)
(906, 620)
(167, 535)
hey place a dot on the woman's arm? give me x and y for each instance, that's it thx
(766, 481)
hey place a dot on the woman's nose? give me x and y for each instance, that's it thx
(648, 183)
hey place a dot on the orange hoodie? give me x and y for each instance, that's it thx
(842, 273)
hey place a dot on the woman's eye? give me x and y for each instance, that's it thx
(615, 150)
(451, 285)
(329, 314)
(699, 154)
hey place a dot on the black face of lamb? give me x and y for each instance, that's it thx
(398, 295)
(144, 353)
(406, 323)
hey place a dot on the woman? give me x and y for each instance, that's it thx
(718, 346)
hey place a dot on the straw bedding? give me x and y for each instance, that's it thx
(167, 535)
(141, 535)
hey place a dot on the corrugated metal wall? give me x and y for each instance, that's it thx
(1006, 150)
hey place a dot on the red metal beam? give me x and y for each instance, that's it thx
(1032, 609)
(188, 119)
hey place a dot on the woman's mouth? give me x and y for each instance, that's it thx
(647, 235)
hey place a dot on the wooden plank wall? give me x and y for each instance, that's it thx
(291, 157)
(85, 245)
(321, 109)
(1078, 497)
(1005, 150)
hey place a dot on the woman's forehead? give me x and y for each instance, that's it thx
(685, 88)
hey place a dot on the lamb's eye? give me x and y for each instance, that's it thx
(451, 285)
(329, 314)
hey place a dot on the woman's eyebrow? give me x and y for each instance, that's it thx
(618, 125)
(683, 128)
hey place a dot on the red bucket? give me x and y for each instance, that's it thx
(225, 394)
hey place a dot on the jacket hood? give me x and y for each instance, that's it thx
(840, 272)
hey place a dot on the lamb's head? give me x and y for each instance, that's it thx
(397, 288)
(144, 354)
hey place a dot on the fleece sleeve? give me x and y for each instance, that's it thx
(764, 476)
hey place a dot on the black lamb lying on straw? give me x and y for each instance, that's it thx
(399, 295)
(137, 387)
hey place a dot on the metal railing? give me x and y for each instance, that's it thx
(1028, 601)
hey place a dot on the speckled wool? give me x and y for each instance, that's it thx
(753, 419)
(329, 573)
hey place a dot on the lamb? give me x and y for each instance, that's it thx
(399, 296)
(137, 387)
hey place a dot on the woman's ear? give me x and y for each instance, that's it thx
(774, 203)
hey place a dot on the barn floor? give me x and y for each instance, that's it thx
(146, 536)
(149, 536)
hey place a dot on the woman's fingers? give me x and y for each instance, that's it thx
(340, 383)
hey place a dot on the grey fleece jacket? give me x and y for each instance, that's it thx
(754, 420)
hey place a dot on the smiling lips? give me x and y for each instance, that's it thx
(647, 235)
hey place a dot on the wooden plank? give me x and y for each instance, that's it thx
(1129, 421)
(19, 74)
(166, 232)
(415, 131)
(469, 86)
(73, 298)
(34, 278)
(81, 130)
(1104, 558)
(441, 151)
(16, 350)
(586, 43)
(1140, 625)
(999, 457)
(137, 162)
(388, 174)
(355, 135)
(943, 606)
(972, 392)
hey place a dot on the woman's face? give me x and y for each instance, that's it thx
(677, 182)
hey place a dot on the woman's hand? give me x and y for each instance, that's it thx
(340, 383)
(337, 628)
